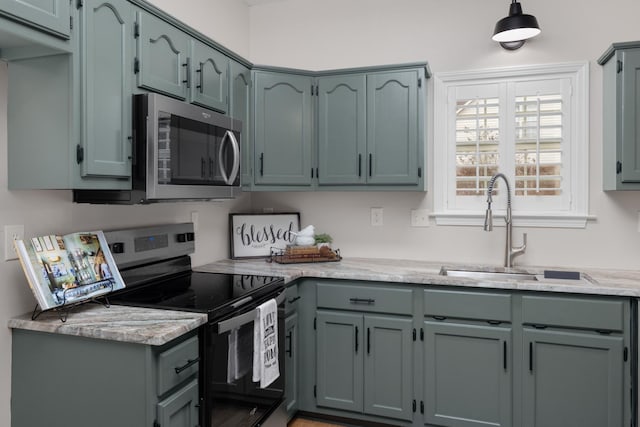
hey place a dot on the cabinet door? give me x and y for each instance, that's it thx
(572, 379)
(630, 116)
(162, 55)
(339, 360)
(240, 108)
(388, 367)
(106, 28)
(342, 139)
(283, 129)
(209, 77)
(291, 364)
(393, 128)
(181, 408)
(50, 15)
(468, 374)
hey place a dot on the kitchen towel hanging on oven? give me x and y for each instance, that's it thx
(265, 344)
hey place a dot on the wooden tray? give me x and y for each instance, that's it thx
(282, 257)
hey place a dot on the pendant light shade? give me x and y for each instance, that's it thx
(512, 31)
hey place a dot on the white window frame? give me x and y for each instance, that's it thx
(574, 214)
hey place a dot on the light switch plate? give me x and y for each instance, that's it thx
(11, 233)
(419, 218)
(377, 217)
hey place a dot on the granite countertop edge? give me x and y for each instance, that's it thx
(605, 282)
(158, 327)
(115, 323)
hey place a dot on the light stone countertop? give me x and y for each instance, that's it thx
(117, 323)
(157, 327)
(624, 283)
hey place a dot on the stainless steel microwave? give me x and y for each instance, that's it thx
(180, 152)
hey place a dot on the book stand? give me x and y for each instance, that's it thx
(64, 309)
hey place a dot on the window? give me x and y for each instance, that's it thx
(531, 124)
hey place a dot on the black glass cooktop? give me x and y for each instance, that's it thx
(202, 292)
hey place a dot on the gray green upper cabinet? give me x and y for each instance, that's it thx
(106, 52)
(52, 16)
(366, 129)
(283, 129)
(621, 125)
(393, 128)
(342, 132)
(370, 128)
(83, 137)
(240, 109)
(209, 81)
(163, 52)
(170, 61)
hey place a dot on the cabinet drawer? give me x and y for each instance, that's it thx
(177, 364)
(291, 301)
(583, 313)
(377, 299)
(468, 305)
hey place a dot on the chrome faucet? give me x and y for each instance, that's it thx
(510, 252)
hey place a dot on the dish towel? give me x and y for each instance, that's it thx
(265, 344)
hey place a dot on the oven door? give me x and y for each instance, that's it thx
(229, 401)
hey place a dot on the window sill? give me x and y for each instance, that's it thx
(523, 220)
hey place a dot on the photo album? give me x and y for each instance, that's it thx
(68, 269)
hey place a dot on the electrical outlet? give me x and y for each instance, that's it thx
(419, 218)
(11, 233)
(377, 219)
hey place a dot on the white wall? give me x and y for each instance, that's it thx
(44, 212)
(451, 36)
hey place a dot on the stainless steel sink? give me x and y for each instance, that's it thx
(489, 275)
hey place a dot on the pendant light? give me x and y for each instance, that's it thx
(512, 31)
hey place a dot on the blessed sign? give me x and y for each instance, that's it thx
(253, 235)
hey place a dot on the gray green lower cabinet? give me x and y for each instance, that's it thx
(364, 363)
(69, 381)
(467, 374)
(573, 379)
(413, 355)
(291, 364)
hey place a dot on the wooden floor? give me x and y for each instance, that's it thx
(300, 422)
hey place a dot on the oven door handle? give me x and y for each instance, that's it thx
(243, 319)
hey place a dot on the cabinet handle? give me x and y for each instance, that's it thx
(262, 164)
(356, 339)
(187, 65)
(370, 164)
(359, 165)
(494, 322)
(504, 354)
(292, 300)
(530, 357)
(190, 362)
(368, 340)
(362, 301)
(289, 350)
(441, 318)
(201, 85)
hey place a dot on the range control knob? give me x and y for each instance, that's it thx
(117, 248)
(191, 237)
(181, 237)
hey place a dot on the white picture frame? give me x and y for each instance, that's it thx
(255, 235)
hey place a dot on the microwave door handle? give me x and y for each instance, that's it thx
(236, 158)
(243, 319)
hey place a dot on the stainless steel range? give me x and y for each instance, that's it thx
(156, 267)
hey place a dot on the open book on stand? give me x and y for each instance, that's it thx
(63, 270)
